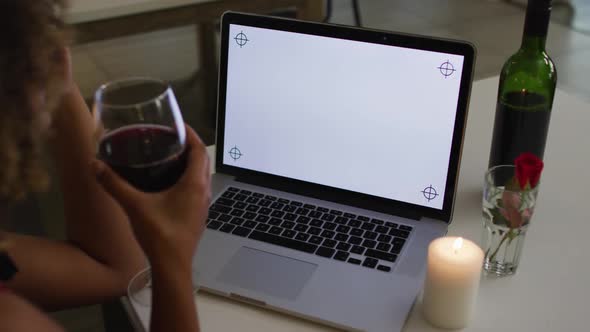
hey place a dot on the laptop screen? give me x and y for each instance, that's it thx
(364, 117)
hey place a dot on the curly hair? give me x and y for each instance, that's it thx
(31, 37)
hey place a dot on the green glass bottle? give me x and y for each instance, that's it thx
(525, 93)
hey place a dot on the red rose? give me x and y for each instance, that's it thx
(528, 169)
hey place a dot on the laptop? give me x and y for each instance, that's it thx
(337, 161)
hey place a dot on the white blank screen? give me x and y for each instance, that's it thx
(369, 118)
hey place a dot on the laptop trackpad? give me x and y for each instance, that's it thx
(267, 273)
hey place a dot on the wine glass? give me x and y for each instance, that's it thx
(142, 137)
(142, 134)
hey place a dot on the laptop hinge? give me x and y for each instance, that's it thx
(431, 220)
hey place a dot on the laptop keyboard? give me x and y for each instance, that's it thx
(346, 237)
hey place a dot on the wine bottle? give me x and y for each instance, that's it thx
(525, 93)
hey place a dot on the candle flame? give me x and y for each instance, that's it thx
(458, 244)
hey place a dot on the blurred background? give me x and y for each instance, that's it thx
(185, 54)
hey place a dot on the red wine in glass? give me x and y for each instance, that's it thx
(147, 156)
(143, 136)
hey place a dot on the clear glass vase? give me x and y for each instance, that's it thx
(503, 247)
(507, 212)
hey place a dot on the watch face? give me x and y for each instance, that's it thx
(7, 267)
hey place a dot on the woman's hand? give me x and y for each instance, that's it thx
(167, 224)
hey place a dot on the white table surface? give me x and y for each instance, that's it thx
(81, 11)
(550, 291)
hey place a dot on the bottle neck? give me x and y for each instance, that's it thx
(533, 43)
(536, 25)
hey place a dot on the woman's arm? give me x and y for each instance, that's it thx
(173, 301)
(101, 254)
(18, 315)
(168, 226)
(95, 223)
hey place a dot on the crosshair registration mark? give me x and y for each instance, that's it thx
(235, 153)
(429, 193)
(447, 69)
(241, 39)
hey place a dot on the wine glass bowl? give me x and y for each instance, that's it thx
(142, 133)
(139, 289)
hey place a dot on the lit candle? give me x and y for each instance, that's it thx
(452, 280)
